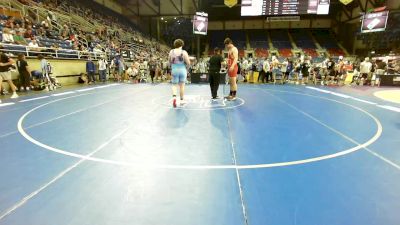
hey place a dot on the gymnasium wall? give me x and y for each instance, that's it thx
(66, 71)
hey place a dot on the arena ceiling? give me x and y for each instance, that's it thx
(216, 8)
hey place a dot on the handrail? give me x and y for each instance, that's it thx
(53, 52)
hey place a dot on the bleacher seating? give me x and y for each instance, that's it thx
(280, 39)
(258, 39)
(217, 39)
(311, 52)
(285, 52)
(261, 52)
(302, 39)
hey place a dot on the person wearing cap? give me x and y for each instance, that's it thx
(214, 72)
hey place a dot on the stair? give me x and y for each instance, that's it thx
(315, 41)
(292, 41)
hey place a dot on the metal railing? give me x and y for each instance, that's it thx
(50, 52)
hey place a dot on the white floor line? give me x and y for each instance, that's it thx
(339, 95)
(365, 101)
(63, 93)
(383, 158)
(6, 104)
(56, 178)
(388, 107)
(337, 132)
(237, 171)
(86, 89)
(65, 115)
(33, 99)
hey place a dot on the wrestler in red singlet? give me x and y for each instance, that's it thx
(231, 57)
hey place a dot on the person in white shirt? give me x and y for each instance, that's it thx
(275, 67)
(102, 69)
(133, 72)
(266, 68)
(285, 73)
(7, 36)
(365, 70)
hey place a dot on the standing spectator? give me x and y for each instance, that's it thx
(152, 68)
(284, 70)
(275, 68)
(305, 71)
(6, 64)
(260, 69)
(365, 70)
(102, 69)
(91, 70)
(266, 71)
(24, 73)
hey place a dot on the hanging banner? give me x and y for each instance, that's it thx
(230, 3)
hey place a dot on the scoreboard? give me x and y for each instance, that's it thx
(284, 7)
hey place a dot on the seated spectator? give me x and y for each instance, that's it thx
(18, 39)
(29, 33)
(83, 79)
(10, 23)
(7, 36)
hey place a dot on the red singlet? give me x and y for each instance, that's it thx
(234, 72)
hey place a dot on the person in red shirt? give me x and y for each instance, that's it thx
(232, 68)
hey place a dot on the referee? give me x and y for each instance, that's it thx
(214, 69)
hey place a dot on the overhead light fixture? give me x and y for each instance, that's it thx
(162, 18)
(174, 18)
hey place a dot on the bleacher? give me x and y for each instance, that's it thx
(327, 41)
(280, 39)
(259, 42)
(53, 46)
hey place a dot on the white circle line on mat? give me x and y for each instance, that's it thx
(206, 167)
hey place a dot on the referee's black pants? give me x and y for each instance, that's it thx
(214, 83)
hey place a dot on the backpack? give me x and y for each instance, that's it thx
(116, 62)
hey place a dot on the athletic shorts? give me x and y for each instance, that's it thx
(179, 73)
(234, 72)
(5, 75)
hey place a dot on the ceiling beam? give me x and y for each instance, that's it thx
(176, 7)
(151, 7)
(195, 5)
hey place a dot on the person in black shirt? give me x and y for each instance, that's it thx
(24, 73)
(214, 69)
(305, 66)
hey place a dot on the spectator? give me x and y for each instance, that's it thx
(29, 33)
(6, 64)
(7, 36)
(24, 73)
(102, 69)
(152, 67)
(18, 39)
(91, 70)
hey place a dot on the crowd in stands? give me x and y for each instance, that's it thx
(50, 34)
(304, 70)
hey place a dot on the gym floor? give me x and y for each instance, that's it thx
(119, 154)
